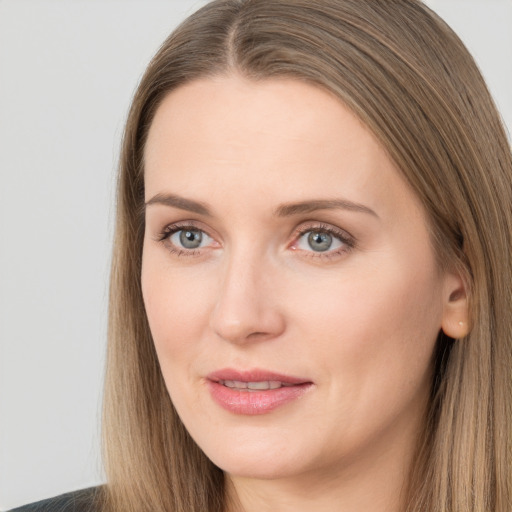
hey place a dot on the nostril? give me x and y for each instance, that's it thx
(259, 327)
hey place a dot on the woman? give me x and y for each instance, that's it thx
(311, 284)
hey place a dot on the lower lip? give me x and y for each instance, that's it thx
(255, 402)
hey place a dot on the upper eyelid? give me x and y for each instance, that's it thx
(310, 226)
(178, 226)
(329, 228)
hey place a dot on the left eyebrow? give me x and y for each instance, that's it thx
(290, 209)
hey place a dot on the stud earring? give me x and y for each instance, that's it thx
(461, 323)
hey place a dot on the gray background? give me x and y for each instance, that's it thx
(68, 69)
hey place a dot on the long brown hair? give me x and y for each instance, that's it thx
(409, 78)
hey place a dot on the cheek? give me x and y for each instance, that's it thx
(378, 324)
(371, 337)
(176, 308)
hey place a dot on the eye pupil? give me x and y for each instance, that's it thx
(319, 241)
(191, 239)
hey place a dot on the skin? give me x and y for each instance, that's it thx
(359, 320)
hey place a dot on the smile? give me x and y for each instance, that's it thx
(254, 386)
(254, 392)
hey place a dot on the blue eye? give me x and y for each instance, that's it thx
(317, 240)
(321, 240)
(189, 238)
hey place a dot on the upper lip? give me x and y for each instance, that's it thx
(254, 375)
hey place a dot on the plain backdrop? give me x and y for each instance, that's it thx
(68, 69)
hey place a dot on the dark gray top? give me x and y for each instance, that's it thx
(85, 500)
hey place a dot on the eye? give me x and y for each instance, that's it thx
(185, 240)
(319, 241)
(189, 238)
(323, 240)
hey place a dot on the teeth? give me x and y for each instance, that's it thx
(235, 384)
(259, 385)
(253, 386)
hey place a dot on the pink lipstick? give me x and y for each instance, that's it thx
(255, 391)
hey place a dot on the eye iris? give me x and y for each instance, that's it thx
(191, 239)
(319, 241)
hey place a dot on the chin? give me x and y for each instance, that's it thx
(255, 459)
(270, 467)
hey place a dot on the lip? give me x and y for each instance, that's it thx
(255, 401)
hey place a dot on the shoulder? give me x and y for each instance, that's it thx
(85, 500)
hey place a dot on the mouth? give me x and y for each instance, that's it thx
(256, 391)
(254, 386)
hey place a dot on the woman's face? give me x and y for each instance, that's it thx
(289, 281)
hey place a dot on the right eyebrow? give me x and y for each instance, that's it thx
(180, 203)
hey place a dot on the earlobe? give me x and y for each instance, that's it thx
(455, 323)
(455, 329)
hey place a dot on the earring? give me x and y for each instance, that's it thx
(461, 323)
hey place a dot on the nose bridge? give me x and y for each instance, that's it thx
(246, 306)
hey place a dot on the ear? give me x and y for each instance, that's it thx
(455, 323)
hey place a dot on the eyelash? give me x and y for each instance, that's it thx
(347, 240)
(170, 230)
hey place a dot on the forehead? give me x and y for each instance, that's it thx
(226, 111)
(269, 138)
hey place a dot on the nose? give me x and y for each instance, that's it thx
(247, 308)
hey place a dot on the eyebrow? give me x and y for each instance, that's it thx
(283, 210)
(180, 203)
(287, 210)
